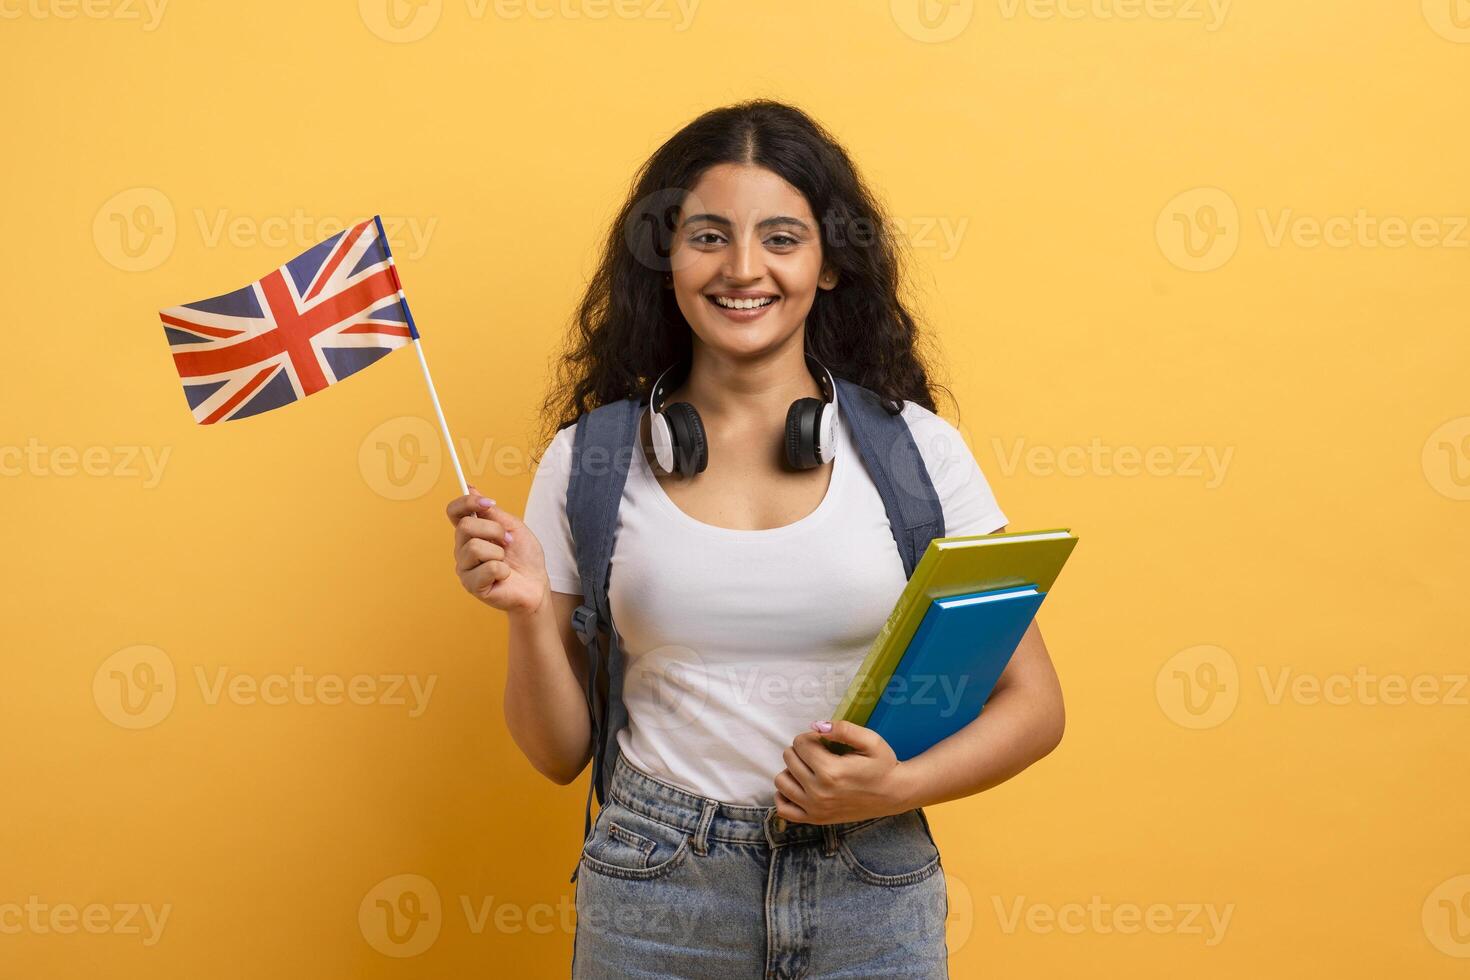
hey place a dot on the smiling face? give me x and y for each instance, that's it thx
(747, 259)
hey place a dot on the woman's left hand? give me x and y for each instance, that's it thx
(818, 786)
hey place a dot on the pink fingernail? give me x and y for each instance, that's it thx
(509, 536)
(822, 726)
(485, 502)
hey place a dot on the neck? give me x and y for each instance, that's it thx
(728, 390)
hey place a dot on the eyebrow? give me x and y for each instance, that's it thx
(724, 222)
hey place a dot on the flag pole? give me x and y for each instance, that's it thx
(413, 331)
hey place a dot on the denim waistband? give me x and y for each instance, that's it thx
(709, 819)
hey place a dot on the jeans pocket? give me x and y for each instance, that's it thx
(890, 851)
(627, 844)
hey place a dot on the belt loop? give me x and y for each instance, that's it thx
(701, 833)
(829, 839)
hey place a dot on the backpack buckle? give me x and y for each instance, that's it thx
(584, 620)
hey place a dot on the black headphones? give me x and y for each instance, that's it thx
(678, 434)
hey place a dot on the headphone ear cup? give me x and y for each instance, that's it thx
(691, 452)
(801, 433)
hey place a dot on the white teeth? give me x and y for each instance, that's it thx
(744, 304)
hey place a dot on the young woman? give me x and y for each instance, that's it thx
(752, 265)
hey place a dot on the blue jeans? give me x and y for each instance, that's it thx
(672, 884)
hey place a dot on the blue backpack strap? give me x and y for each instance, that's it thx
(602, 448)
(893, 461)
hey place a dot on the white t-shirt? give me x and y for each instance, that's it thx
(736, 641)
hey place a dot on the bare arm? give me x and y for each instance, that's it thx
(545, 680)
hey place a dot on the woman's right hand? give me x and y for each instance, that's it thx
(498, 559)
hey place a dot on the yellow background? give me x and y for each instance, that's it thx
(1113, 178)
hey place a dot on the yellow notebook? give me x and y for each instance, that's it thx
(949, 567)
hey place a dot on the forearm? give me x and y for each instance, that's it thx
(545, 704)
(1008, 737)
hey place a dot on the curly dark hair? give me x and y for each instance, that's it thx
(628, 328)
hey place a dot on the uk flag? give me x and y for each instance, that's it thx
(326, 314)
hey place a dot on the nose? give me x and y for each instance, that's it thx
(745, 262)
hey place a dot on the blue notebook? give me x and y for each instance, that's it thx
(949, 668)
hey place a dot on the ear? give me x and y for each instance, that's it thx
(828, 278)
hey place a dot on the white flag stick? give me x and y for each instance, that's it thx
(413, 332)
